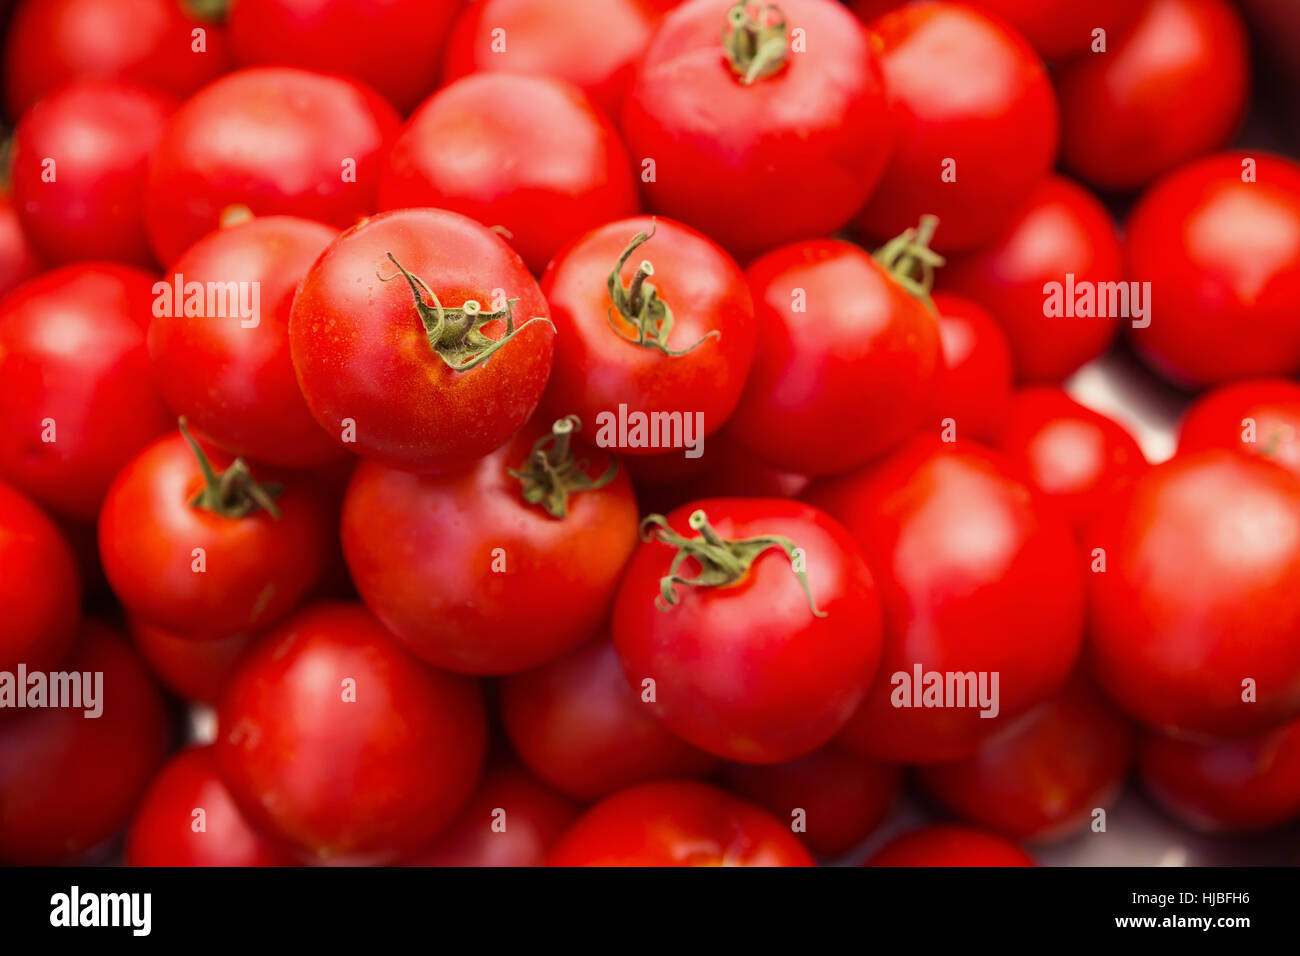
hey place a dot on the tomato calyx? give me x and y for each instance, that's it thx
(641, 307)
(552, 473)
(722, 561)
(233, 493)
(910, 261)
(755, 40)
(455, 334)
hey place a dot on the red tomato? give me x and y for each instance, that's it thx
(392, 329)
(319, 143)
(767, 136)
(677, 823)
(1061, 231)
(1079, 458)
(842, 797)
(77, 398)
(1223, 259)
(39, 587)
(18, 261)
(393, 45)
(69, 782)
(498, 568)
(578, 725)
(1259, 417)
(758, 621)
(595, 46)
(1042, 778)
(1058, 28)
(512, 820)
(974, 389)
(979, 577)
(205, 548)
(977, 122)
(844, 350)
(1231, 786)
(187, 818)
(950, 845)
(679, 344)
(334, 739)
(192, 670)
(1171, 88)
(1197, 598)
(223, 361)
(157, 43)
(527, 153)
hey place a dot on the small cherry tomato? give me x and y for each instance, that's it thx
(1259, 417)
(974, 388)
(950, 845)
(193, 670)
(18, 261)
(39, 587)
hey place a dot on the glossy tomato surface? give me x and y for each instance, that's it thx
(974, 388)
(1258, 417)
(18, 261)
(40, 591)
(950, 845)
(193, 670)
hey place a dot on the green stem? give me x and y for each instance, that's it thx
(910, 260)
(551, 472)
(756, 40)
(640, 306)
(231, 493)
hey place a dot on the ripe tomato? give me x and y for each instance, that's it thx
(187, 818)
(1079, 458)
(527, 153)
(497, 568)
(334, 739)
(223, 360)
(842, 797)
(39, 587)
(1060, 231)
(512, 820)
(677, 823)
(758, 621)
(974, 388)
(1173, 87)
(1042, 778)
(198, 545)
(978, 576)
(762, 138)
(1223, 259)
(393, 45)
(1202, 566)
(18, 261)
(950, 845)
(68, 782)
(151, 42)
(578, 725)
(977, 122)
(680, 344)
(1259, 417)
(192, 670)
(1231, 786)
(844, 349)
(392, 330)
(77, 398)
(320, 140)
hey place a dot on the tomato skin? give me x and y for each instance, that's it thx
(1041, 779)
(747, 671)
(361, 353)
(72, 349)
(233, 382)
(162, 832)
(1125, 112)
(305, 126)
(257, 567)
(596, 370)
(1060, 229)
(425, 553)
(579, 726)
(40, 589)
(1059, 28)
(1203, 562)
(792, 155)
(844, 797)
(366, 781)
(977, 573)
(861, 364)
(18, 261)
(192, 670)
(950, 845)
(1223, 260)
(394, 46)
(1218, 419)
(68, 783)
(966, 88)
(974, 388)
(1231, 786)
(677, 823)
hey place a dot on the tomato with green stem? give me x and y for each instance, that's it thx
(1257, 417)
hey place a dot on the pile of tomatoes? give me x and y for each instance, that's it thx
(570, 432)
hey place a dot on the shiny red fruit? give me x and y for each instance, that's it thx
(39, 587)
(1258, 417)
(974, 388)
(950, 845)
(193, 670)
